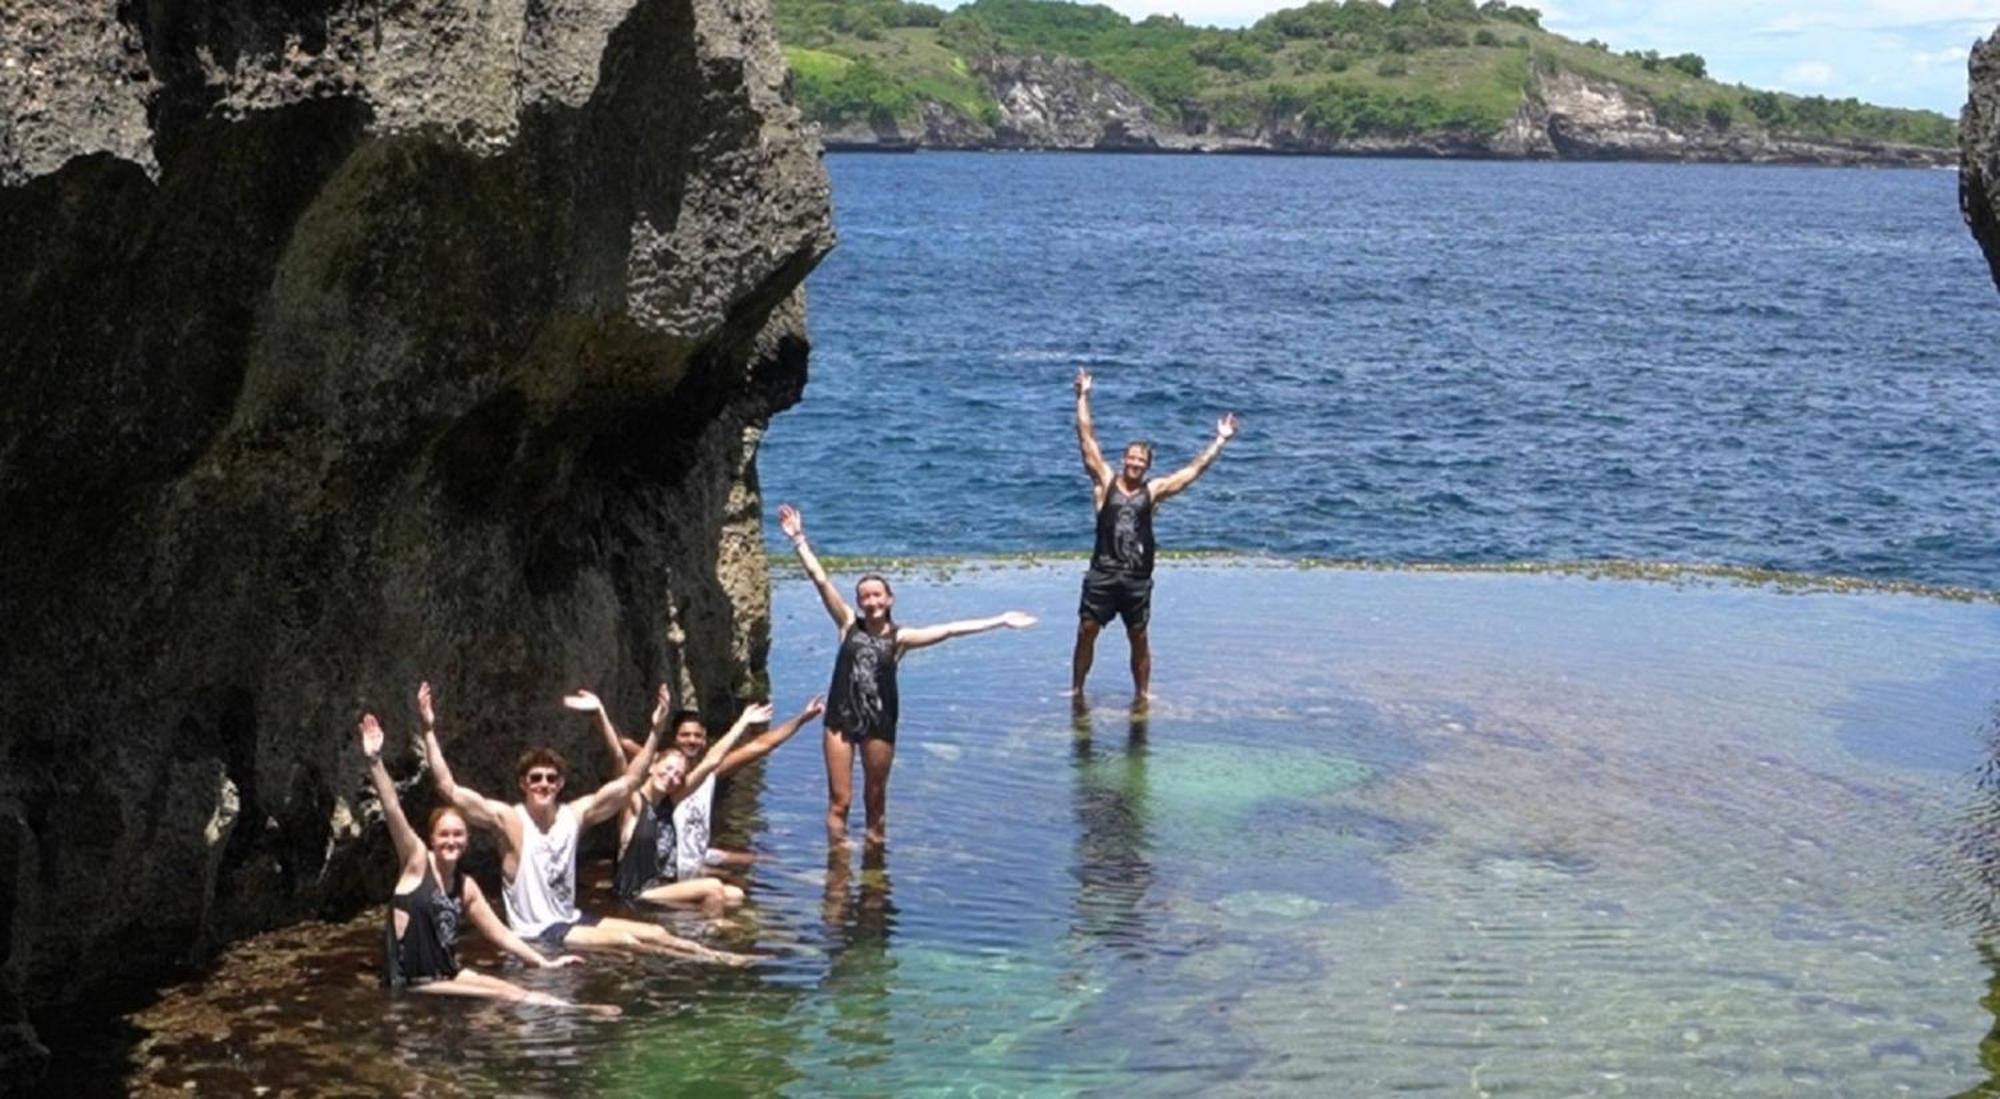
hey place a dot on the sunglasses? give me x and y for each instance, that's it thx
(544, 778)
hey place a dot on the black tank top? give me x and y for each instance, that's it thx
(862, 699)
(649, 855)
(428, 949)
(1125, 532)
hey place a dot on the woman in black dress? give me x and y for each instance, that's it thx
(861, 705)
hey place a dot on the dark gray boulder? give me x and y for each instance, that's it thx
(1979, 150)
(346, 344)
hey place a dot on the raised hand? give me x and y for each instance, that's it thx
(813, 708)
(663, 704)
(1083, 382)
(791, 522)
(370, 732)
(583, 701)
(1225, 428)
(757, 713)
(1018, 620)
(425, 712)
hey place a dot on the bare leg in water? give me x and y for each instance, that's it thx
(839, 785)
(480, 986)
(877, 757)
(646, 938)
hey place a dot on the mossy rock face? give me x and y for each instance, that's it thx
(344, 346)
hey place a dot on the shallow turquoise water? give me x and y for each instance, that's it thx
(1382, 832)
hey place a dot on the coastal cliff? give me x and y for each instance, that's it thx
(1065, 104)
(345, 345)
(1979, 150)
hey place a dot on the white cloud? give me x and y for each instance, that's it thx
(1950, 55)
(1809, 74)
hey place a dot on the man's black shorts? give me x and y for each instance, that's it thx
(1117, 594)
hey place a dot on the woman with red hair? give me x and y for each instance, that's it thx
(432, 899)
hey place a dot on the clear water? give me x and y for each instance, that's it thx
(1383, 832)
(1435, 361)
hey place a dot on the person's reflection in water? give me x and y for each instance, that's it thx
(860, 918)
(1114, 867)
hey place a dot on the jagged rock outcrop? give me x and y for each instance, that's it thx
(1574, 118)
(346, 344)
(1065, 104)
(1979, 150)
(1039, 103)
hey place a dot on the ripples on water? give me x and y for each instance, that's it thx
(1454, 833)
(1438, 361)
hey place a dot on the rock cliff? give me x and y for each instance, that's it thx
(346, 344)
(1979, 150)
(1067, 104)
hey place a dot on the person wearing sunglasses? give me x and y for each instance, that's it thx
(538, 845)
(433, 898)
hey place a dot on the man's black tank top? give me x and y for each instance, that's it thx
(861, 702)
(428, 949)
(648, 858)
(1125, 532)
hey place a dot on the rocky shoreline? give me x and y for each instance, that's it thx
(1059, 104)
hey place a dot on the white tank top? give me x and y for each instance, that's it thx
(691, 829)
(543, 889)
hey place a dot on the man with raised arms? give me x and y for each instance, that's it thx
(538, 844)
(1120, 581)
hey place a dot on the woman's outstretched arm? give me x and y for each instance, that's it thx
(917, 637)
(794, 526)
(617, 794)
(589, 703)
(409, 847)
(499, 934)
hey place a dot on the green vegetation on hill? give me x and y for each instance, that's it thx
(1357, 68)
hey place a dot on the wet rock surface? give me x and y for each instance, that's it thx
(343, 346)
(1979, 150)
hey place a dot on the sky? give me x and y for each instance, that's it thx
(1897, 53)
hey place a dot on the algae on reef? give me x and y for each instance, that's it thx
(342, 346)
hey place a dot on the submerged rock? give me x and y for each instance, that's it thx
(344, 345)
(1979, 150)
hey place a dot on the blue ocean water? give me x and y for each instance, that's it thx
(1435, 361)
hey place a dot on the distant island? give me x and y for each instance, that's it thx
(1447, 78)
